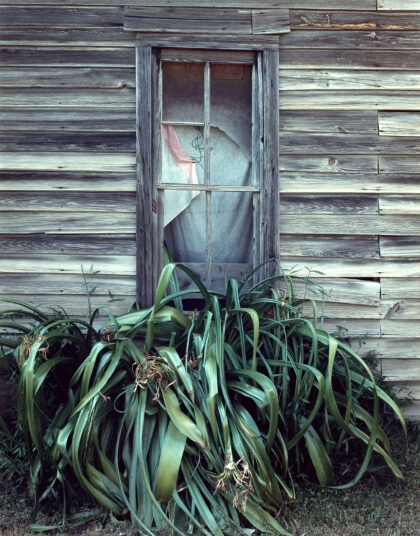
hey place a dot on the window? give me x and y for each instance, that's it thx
(207, 153)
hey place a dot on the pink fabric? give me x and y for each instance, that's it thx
(180, 156)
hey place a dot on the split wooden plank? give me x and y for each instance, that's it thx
(329, 246)
(84, 142)
(68, 202)
(347, 268)
(399, 164)
(350, 100)
(400, 328)
(30, 99)
(122, 244)
(348, 20)
(57, 284)
(349, 59)
(400, 309)
(67, 119)
(385, 225)
(353, 39)
(64, 37)
(302, 182)
(356, 122)
(329, 164)
(400, 247)
(60, 16)
(392, 204)
(397, 348)
(67, 77)
(399, 123)
(82, 181)
(393, 371)
(46, 161)
(67, 223)
(399, 5)
(400, 288)
(347, 79)
(71, 57)
(329, 204)
(347, 144)
(70, 264)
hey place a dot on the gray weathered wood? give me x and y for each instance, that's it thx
(67, 223)
(37, 181)
(328, 122)
(68, 202)
(399, 204)
(398, 348)
(329, 204)
(273, 21)
(269, 197)
(401, 246)
(400, 309)
(64, 37)
(351, 225)
(400, 328)
(333, 80)
(68, 77)
(246, 4)
(399, 5)
(329, 164)
(302, 182)
(399, 123)
(68, 244)
(60, 16)
(71, 57)
(67, 161)
(328, 246)
(339, 311)
(353, 327)
(67, 119)
(95, 142)
(399, 164)
(407, 389)
(36, 283)
(348, 268)
(104, 99)
(393, 370)
(209, 42)
(400, 288)
(200, 56)
(412, 411)
(354, 100)
(348, 20)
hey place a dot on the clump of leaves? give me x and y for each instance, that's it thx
(198, 421)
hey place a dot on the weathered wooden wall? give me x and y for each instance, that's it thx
(349, 159)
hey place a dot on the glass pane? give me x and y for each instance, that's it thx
(183, 92)
(231, 121)
(232, 225)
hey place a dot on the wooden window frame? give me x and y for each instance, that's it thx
(265, 156)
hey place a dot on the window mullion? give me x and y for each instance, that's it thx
(207, 170)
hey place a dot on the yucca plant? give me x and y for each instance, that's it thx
(197, 421)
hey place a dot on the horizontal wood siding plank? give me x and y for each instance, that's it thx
(399, 123)
(400, 288)
(347, 20)
(64, 37)
(329, 204)
(71, 57)
(274, 21)
(67, 162)
(67, 119)
(217, 42)
(329, 246)
(36, 181)
(70, 77)
(400, 247)
(412, 411)
(329, 164)
(385, 225)
(67, 223)
(356, 122)
(84, 142)
(60, 16)
(399, 5)
(348, 268)
(68, 202)
(30, 98)
(393, 371)
(35, 283)
(332, 80)
(407, 389)
(353, 327)
(399, 164)
(350, 100)
(266, 4)
(400, 328)
(68, 245)
(340, 311)
(392, 204)
(397, 348)
(347, 144)
(400, 309)
(302, 182)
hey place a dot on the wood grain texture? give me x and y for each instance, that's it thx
(397, 348)
(398, 5)
(347, 20)
(29, 98)
(67, 162)
(399, 164)
(392, 204)
(400, 288)
(64, 37)
(121, 244)
(328, 246)
(67, 119)
(275, 21)
(357, 122)
(399, 123)
(393, 371)
(329, 204)
(340, 311)
(400, 309)
(63, 181)
(400, 247)
(400, 328)
(351, 328)
(60, 16)
(67, 77)
(303, 182)
(216, 42)
(329, 164)
(246, 4)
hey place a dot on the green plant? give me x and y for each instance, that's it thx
(198, 420)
